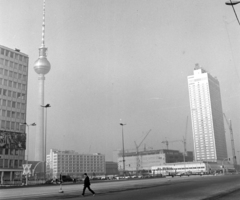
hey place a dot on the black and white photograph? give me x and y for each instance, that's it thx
(120, 99)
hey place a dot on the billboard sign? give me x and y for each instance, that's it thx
(12, 140)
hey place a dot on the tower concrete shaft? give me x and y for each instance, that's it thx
(39, 140)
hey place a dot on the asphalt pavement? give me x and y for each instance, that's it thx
(190, 188)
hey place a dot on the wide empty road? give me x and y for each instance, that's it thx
(178, 188)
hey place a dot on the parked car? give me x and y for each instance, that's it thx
(52, 181)
(67, 178)
(188, 173)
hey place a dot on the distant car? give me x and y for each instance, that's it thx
(52, 181)
(96, 178)
(184, 173)
(147, 176)
(105, 178)
(66, 178)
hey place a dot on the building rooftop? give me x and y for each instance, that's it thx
(15, 50)
(149, 152)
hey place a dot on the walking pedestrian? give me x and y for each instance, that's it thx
(87, 185)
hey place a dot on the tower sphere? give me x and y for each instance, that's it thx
(42, 66)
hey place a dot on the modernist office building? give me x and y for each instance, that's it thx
(74, 164)
(13, 104)
(207, 116)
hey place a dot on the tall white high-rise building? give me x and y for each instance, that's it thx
(207, 116)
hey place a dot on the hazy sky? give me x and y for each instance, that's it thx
(124, 59)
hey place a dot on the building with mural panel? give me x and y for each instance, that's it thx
(13, 104)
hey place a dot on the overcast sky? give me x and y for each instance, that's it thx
(124, 60)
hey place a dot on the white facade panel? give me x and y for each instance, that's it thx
(207, 117)
(145, 162)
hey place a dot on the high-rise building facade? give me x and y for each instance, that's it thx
(207, 116)
(13, 105)
(74, 164)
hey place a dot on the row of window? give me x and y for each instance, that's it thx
(78, 160)
(12, 94)
(77, 170)
(205, 144)
(14, 75)
(208, 154)
(11, 125)
(198, 149)
(6, 163)
(80, 163)
(13, 55)
(11, 151)
(12, 84)
(76, 164)
(12, 104)
(14, 66)
(11, 114)
(77, 157)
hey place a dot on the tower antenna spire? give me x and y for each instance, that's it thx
(43, 25)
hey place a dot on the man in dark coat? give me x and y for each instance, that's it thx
(87, 185)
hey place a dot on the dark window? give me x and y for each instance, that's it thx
(2, 51)
(6, 163)
(5, 92)
(15, 163)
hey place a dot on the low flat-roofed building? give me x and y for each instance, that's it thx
(144, 160)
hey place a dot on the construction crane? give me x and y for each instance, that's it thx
(137, 150)
(167, 142)
(229, 123)
(184, 141)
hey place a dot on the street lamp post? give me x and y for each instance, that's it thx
(123, 150)
(238, 156)
(223, 166)
(45, 141)
(232, 3)
(27, 138)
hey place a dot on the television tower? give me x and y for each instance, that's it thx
(41, 67)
